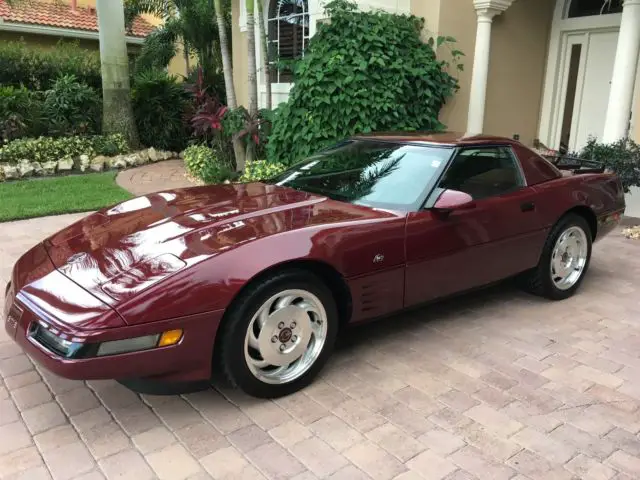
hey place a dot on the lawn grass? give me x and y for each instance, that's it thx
(51, 196)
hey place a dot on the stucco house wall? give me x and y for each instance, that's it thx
(519, 51)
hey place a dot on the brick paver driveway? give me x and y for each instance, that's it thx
(497, 385)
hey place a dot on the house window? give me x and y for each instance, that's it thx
(288, 29)
(586, 8)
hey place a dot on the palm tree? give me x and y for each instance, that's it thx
(200, 24)
(190, 22)
(116, 96)
(264, 53)
(251, 70)
(225, 52)
(227, 67)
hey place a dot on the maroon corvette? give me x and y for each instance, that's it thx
(254, 281)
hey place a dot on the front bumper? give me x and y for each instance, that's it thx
(76, 316)
(189, 360)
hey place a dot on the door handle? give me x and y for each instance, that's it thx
(527, 206)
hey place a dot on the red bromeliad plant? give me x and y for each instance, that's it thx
(254, 130)
(219, 125)
(206, 119)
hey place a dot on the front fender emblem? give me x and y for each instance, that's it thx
(378, 258)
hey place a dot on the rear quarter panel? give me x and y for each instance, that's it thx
(601, 193)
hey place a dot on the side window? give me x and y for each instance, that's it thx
(483, 172)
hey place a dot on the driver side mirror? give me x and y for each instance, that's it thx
(451, 200)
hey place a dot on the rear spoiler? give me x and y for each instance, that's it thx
(575, 164)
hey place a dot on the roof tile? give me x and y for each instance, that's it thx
(62, 16)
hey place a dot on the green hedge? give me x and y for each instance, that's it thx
(45, 149)
(67, 108)
(38, 68)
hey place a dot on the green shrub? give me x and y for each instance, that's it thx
(216, 172)
(362, 71)
(110, 145)
(203, 163)
(71, 108)
(256, 131)
(14, 106)
(159, 105)
(261, 170)
(68, 108)
(623, 157)
(44, 149)
(196, 157)
(38, 68)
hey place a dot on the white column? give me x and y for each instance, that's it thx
(624, 74)
(486, 10)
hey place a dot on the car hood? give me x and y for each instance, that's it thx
(117, 252)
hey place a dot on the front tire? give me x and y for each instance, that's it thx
(564, 261)
(278, 334)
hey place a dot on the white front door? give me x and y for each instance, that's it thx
(588, 120)
(585, 81)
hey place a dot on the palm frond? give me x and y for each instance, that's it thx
(159, 8)
(157, 50)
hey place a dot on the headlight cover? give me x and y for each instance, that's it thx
(43, 334)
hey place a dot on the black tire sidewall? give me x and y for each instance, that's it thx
(238, 319)
(550, 289)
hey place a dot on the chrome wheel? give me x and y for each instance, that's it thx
(569, 257)
(285, 336)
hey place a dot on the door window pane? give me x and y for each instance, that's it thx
(483, 172)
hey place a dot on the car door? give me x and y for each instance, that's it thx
(499, 236)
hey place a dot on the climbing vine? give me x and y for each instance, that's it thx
(362, 72)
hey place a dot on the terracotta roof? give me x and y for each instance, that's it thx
(60, 15)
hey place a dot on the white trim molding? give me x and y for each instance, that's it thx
(486, 11)
(498, 6)
(59, 32)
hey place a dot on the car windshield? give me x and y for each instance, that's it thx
(367, 172)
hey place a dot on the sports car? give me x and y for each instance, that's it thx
(256, 281)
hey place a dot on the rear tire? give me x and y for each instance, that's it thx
(278, 334)
(564, 260)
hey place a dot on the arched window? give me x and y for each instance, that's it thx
(586, 8)
(288, 28)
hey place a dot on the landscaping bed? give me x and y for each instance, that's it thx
(84, 162)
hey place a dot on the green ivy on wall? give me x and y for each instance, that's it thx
(362, 72)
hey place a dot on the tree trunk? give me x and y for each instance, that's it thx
(227, 70)
(227, 66)
(264, 53)
(117, 114)
(252, 76)
(186, 53)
